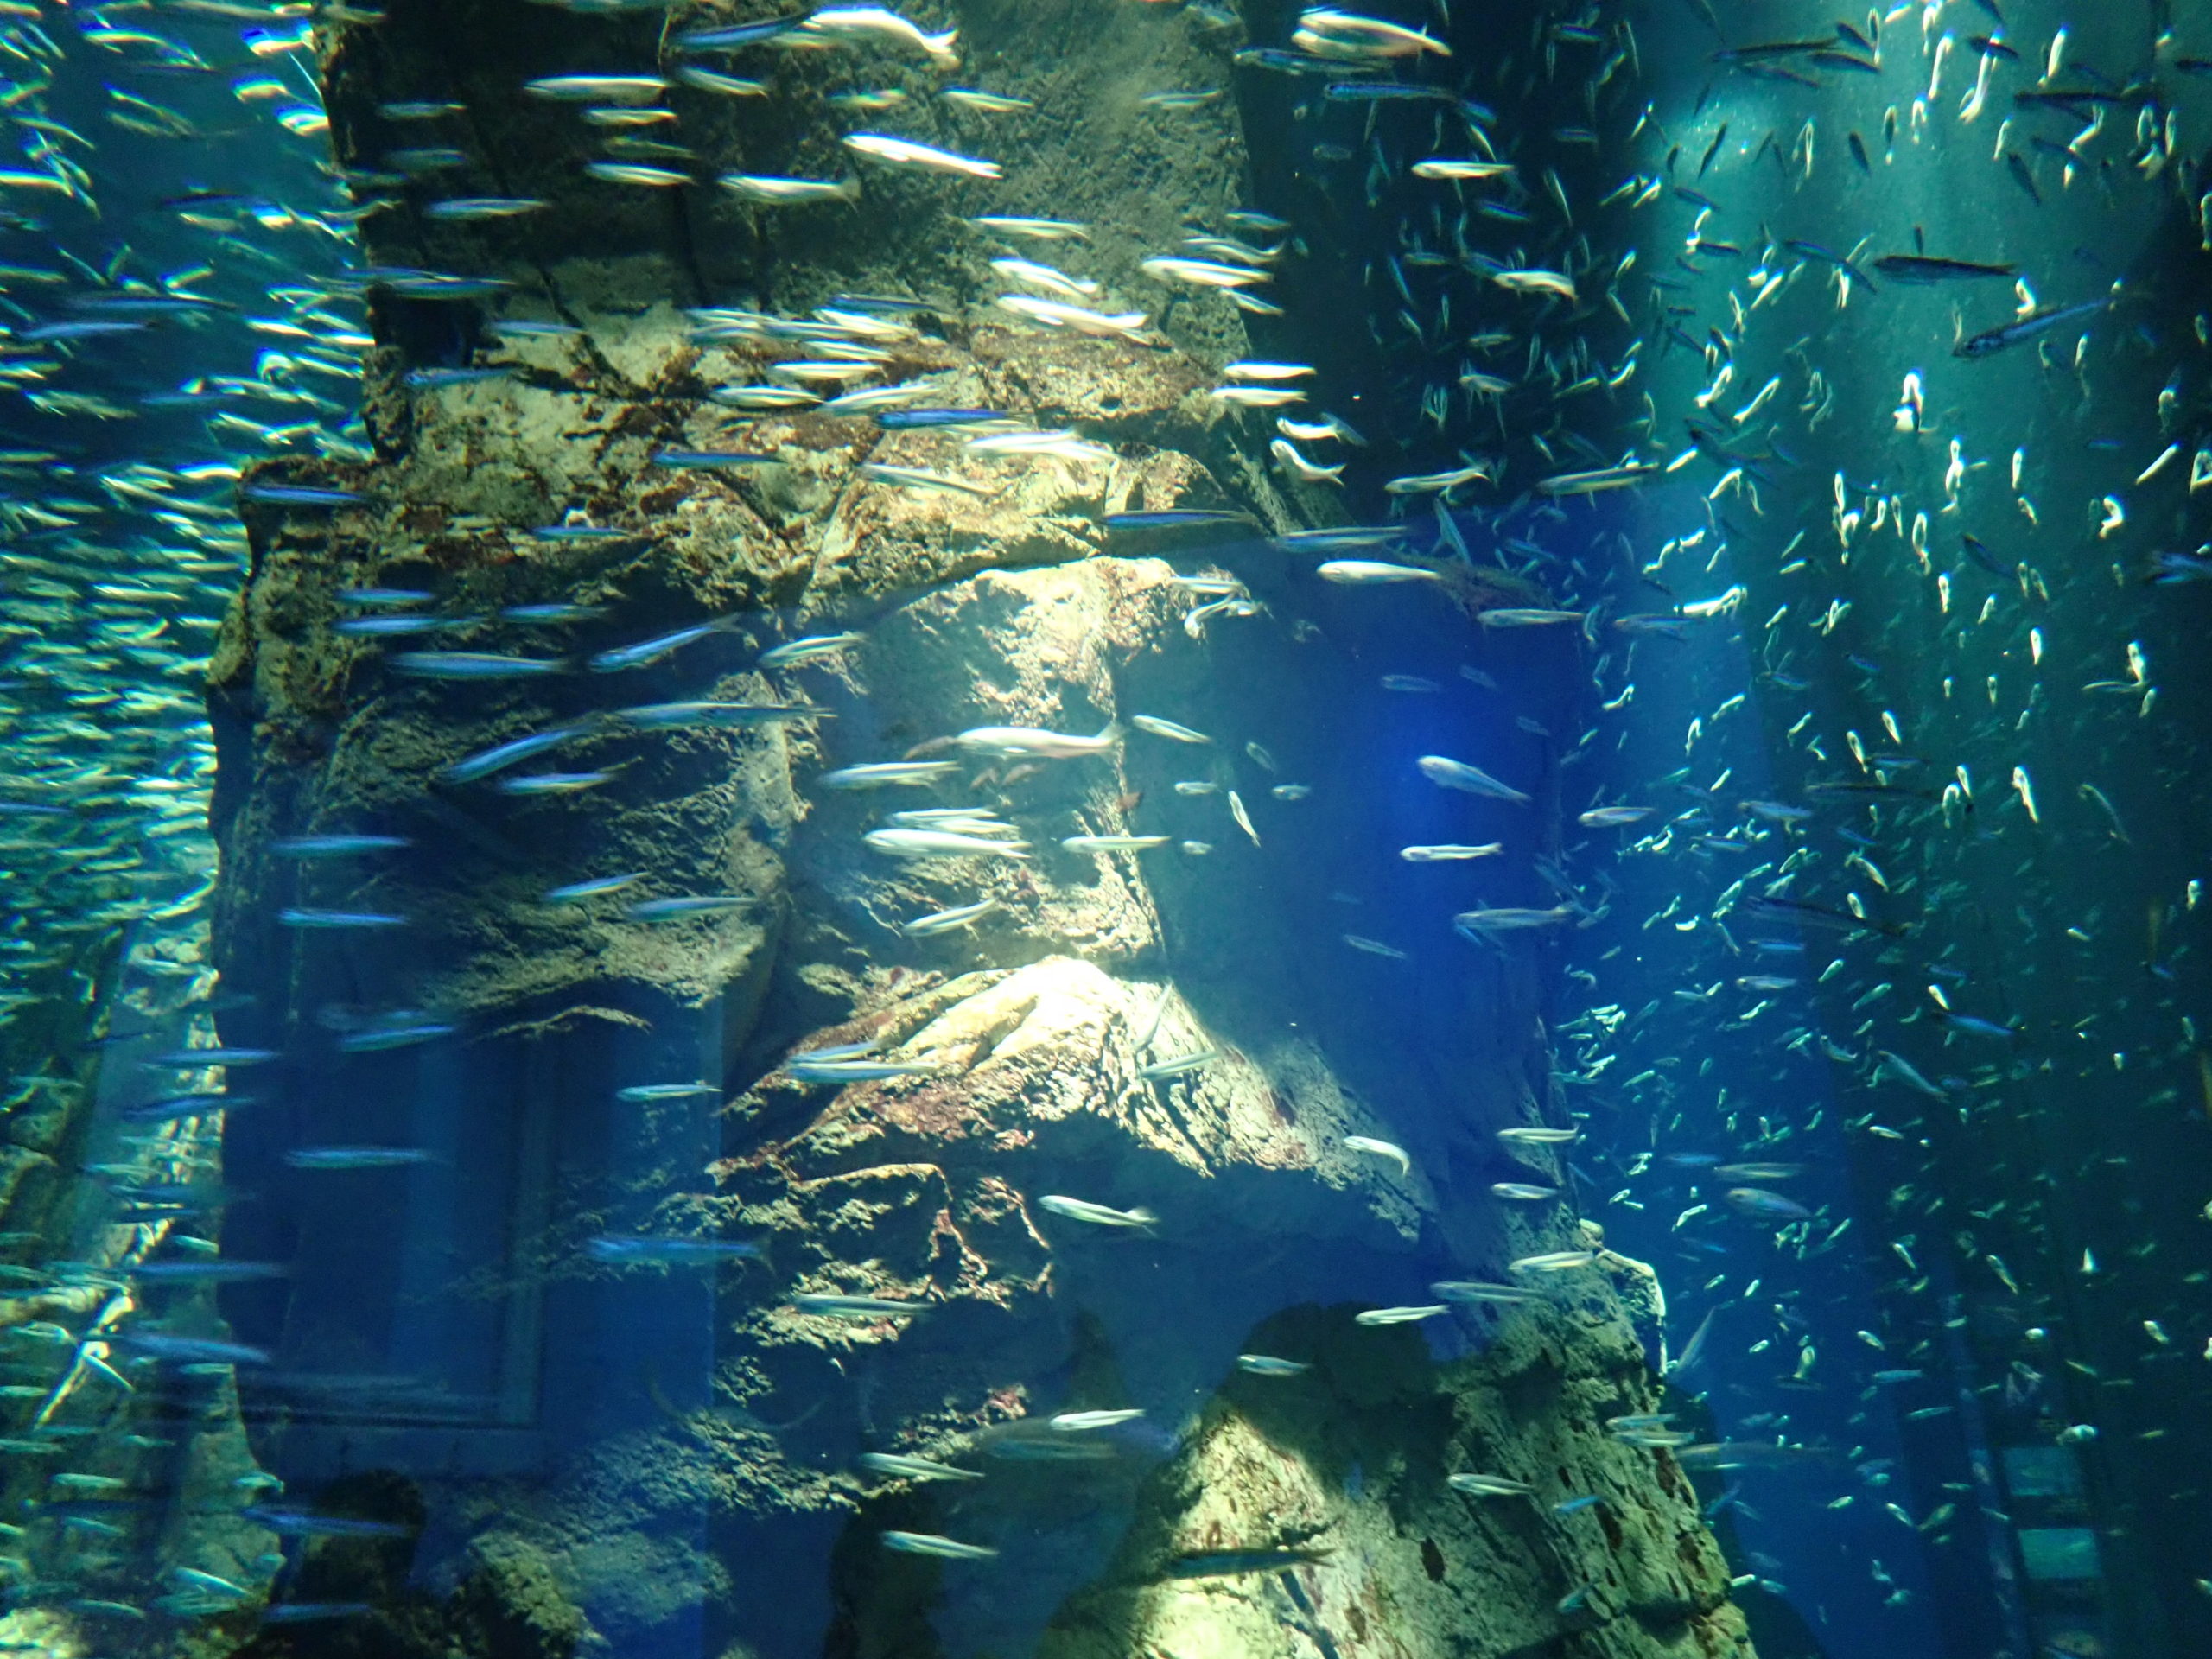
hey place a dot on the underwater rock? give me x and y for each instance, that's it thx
(1313, 1510)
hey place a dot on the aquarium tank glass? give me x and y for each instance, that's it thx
(1106, 830)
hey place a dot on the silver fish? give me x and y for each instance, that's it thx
(1097, 1215)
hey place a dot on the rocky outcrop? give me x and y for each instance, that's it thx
(1313, 1511)
(1189, 1029)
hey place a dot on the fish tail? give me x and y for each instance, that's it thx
(940, 47)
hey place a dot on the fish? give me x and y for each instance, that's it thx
(844, 1069)
(1475, 1294)
(471, 665)
(1476, 1486)
(830, 1306)
(1503, 616)
(1084, 1422)
(860, 22)
(1179, 1065)
(1042, 229)
(776, 190)
(1539, 1137)
(1554, 1261)
(1096, 1215)
(910, 843)
(1371, 572)
(948, 921)
(1268, 1365)
(1384, 1149)
(661, 1250)
(1113, 843)
(1167, 728)
(1468, 779)
(1448, 853)
(887, 774)
(898, 1466)
(358, 1157)
(1381, 1316)
(905, 152)
(597, 89)
(1765, 1206)
(930, 1543)
(1993, 340)
(1028, 742)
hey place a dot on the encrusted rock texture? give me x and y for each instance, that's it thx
(1315, 967)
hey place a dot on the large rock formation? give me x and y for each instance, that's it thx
(636, 1451)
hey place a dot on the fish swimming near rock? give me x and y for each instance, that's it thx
(1096, 1215)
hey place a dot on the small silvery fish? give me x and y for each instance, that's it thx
(311, 847)
(654, 178)
(1396, 1154)
(1268, 1365)
(1097, 1215)
(930, 1543)
(356, 1157)
(1473, 781)
(1474, 1293)
(598, 887)
(808, 650)
(1554, 1261)
(335, 920)
(1525, 1191)
(300, 495)
(802, 1068)
(858, 1307)
(904, 842)
(1450, 853)
(470, 665)
(651, 651)
(514, 752)
(597, 89)
(1368, 573)
(628, 1249)
(1489, 1485)
(1504, 616)
(679, 909)
(770, 191)
(1042, 229)
(1538, 1137)
(470, 209)
(1113, 843)
(640, 1094)
(920, 478)
(1084, 1422)
(1176, 1066)
(883, 774)
(948, 921)
(1167, 728)
(904, 1467)
(904, 152)
(1375, 1316)
(1028, 742)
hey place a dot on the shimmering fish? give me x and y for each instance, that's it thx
(1097, 1215)
(906, 1467)
(1386, 1149)
(1471, 780)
